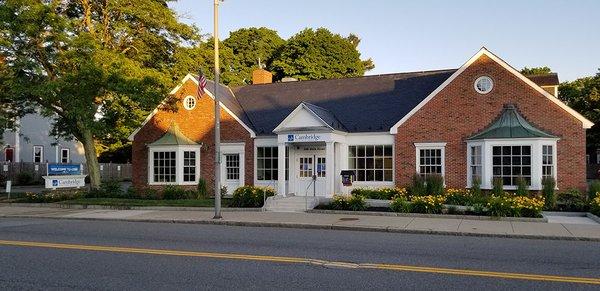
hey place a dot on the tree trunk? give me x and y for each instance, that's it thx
(87, 139)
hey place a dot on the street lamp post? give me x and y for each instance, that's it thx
(217, 117)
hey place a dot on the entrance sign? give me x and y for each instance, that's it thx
(64, 176)
(308, 137)
(64, 169)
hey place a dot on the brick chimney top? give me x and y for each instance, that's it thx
(261, 76)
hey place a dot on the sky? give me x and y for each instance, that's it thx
(404, 36)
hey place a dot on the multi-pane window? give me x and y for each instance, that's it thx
(476, 163)
(511, 163)
(321, 171)
(189, 166)
(38, 154)
(371, 162)
(65, 156)
(547, 161)
(306, 167)
(430, 161)
(164, 165)
(232, 166)
(266, 163)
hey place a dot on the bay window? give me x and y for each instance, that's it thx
(475, 166)
(511, 163)
(177, 165)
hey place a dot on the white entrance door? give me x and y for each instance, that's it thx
(232, 172)
(311, 175)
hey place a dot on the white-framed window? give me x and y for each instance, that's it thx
(547, 161)
(430, 158)
(475, 163)
(371, 162)
(189, 102)
(65, 155)
(232, 166)
(483, 85)
(177, 165)
(321, 168)
(511, 162)
(267, 163)
(38, 154)
(164, 165)
(306, 167)
(189, 166)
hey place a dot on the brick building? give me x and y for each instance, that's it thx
(483, 120)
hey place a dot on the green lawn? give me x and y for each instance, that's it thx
(141, 202)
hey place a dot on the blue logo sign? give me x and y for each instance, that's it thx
(64, 169)
(290, 137)
(54, 183)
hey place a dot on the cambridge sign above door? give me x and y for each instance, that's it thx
(309, 137)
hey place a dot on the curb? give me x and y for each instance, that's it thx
(316, 226)
(421, 215)
(125, 207)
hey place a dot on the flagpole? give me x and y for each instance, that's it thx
(217, 117)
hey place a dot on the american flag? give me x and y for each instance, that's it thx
(201, 83)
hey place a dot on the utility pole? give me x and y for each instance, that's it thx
(217, 117)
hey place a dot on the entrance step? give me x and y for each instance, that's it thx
(290, 204)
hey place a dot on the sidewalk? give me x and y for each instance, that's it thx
(422, 225)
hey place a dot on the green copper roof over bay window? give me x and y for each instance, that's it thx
(510, 124)
(173, 136)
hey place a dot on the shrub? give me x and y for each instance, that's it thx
(453, 210)
(381, 193)
(400, 204)
(595, 205)
(572, 200)
(339, 202)
(500, 206)
(522, 187)
(548, 185)
(476, 187)
(464, 197)
(356, 203)
(528, 207)
(498, 187)
(593, 189)
(434, 184)
(251, 196)
(53, 196)
(427, 204)
(175, 192)
(417, 187)
(202, 189)
(25, 178)
(478, 209)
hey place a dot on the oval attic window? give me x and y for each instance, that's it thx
(483, 85)
(189, 102)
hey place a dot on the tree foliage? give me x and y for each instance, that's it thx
(583, 95)
(319, 54)
(95, 67)
(536, 71)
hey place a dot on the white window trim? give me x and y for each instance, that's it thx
(256, 162)
(536, 159)
(178, 163)
(233, 148)
(185, 102)
(68, 155)
(430, 146)
(41, 154)
(482, 78)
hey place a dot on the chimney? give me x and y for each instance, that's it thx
(261, 76)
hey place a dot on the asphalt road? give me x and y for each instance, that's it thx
(272, 258)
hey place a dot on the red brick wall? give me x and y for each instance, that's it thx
(458, 111)
(197, 124)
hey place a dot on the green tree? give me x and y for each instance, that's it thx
(536, 71)
(583, 95)
(319, 54)
(95, 67)
(249, 46)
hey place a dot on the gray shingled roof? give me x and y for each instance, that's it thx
(361, 104)
(510, 124)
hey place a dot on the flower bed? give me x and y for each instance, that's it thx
(452, 201)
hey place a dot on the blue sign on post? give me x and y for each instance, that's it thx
(64, 169)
